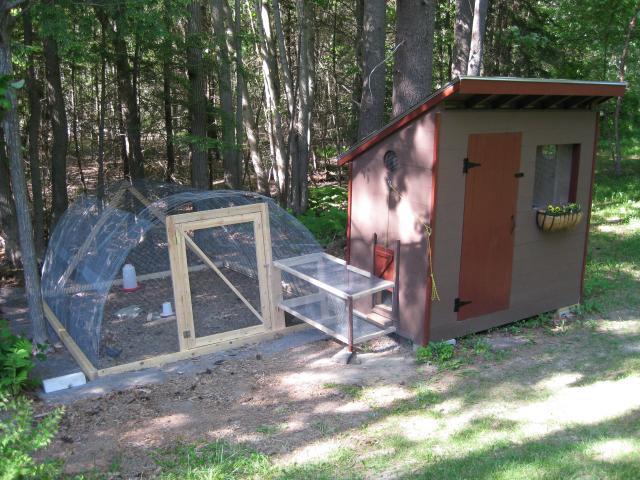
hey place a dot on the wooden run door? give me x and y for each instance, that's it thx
(491, 195)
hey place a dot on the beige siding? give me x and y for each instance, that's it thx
(547, 266)
(374, 210)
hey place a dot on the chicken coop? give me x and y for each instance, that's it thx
(485, 186)
(154, 273)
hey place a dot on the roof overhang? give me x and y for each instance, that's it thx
(498, 93)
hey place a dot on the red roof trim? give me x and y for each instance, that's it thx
(489, 86)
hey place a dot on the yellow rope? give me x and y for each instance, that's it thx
(428, 231)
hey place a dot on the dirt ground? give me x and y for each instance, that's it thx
(216, 309)
(284, 395)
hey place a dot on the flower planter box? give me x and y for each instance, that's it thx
(557, 223)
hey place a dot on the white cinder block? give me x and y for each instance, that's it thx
(65, 381)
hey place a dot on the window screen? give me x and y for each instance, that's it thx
(554, 175)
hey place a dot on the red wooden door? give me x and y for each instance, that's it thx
(490, 202)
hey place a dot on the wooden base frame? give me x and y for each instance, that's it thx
(273, 323)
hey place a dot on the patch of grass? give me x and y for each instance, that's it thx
(269, 429)
(216, 461)
(352, 391)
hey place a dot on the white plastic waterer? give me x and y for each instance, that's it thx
(129, 280)
(167, 311)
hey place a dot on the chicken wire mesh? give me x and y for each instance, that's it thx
(81, 276)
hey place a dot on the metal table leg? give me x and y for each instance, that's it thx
(350, 324)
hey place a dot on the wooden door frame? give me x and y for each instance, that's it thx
(178, 227)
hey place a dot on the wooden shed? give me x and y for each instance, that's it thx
(473, 164)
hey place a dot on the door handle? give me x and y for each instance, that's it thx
(513, 223)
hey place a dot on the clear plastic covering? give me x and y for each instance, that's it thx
(82, 272)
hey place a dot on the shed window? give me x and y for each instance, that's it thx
(556, 174)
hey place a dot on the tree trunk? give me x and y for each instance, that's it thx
(74, 127)
(300, 165)
(372, 103)
(8, 223)
(477, 37)
(167, 53)
(58, 116)
(11, 129)
(34, 92)
(284, 62)
(415, 22)
(622, 67)
(197, 98)
(232, 169)
(102, 110)
(356, 89)
(244, 109)
(273, 114)
(127, 94)
(462, 38)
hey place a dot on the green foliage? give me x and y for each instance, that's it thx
(327, 214)
(21, 435)
(436, 352)
(16, 361)
(7, 85)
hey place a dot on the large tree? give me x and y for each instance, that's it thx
(373, 72)
(197, 98)
(462, 37)
(477, 37)
(415, 20)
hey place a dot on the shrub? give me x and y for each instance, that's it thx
(16, 361)
(21, 435)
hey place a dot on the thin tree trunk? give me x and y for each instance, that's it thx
(232, 173)
(415, 22)
(8, 223)
(11, 129)
(74, 127)
(372, 103)
(622, 67)
(462, 37)
(300, 164)
(59, 126)
(166, 96)
(284, 62)
(477, 37)
(245, 121)
(273, 114)
(102, 110)
(197, 98)
(127, 94)
(34, 92)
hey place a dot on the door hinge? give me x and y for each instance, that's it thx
(186, 334)
(519, 175)
(467, 165)
(457, 304)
